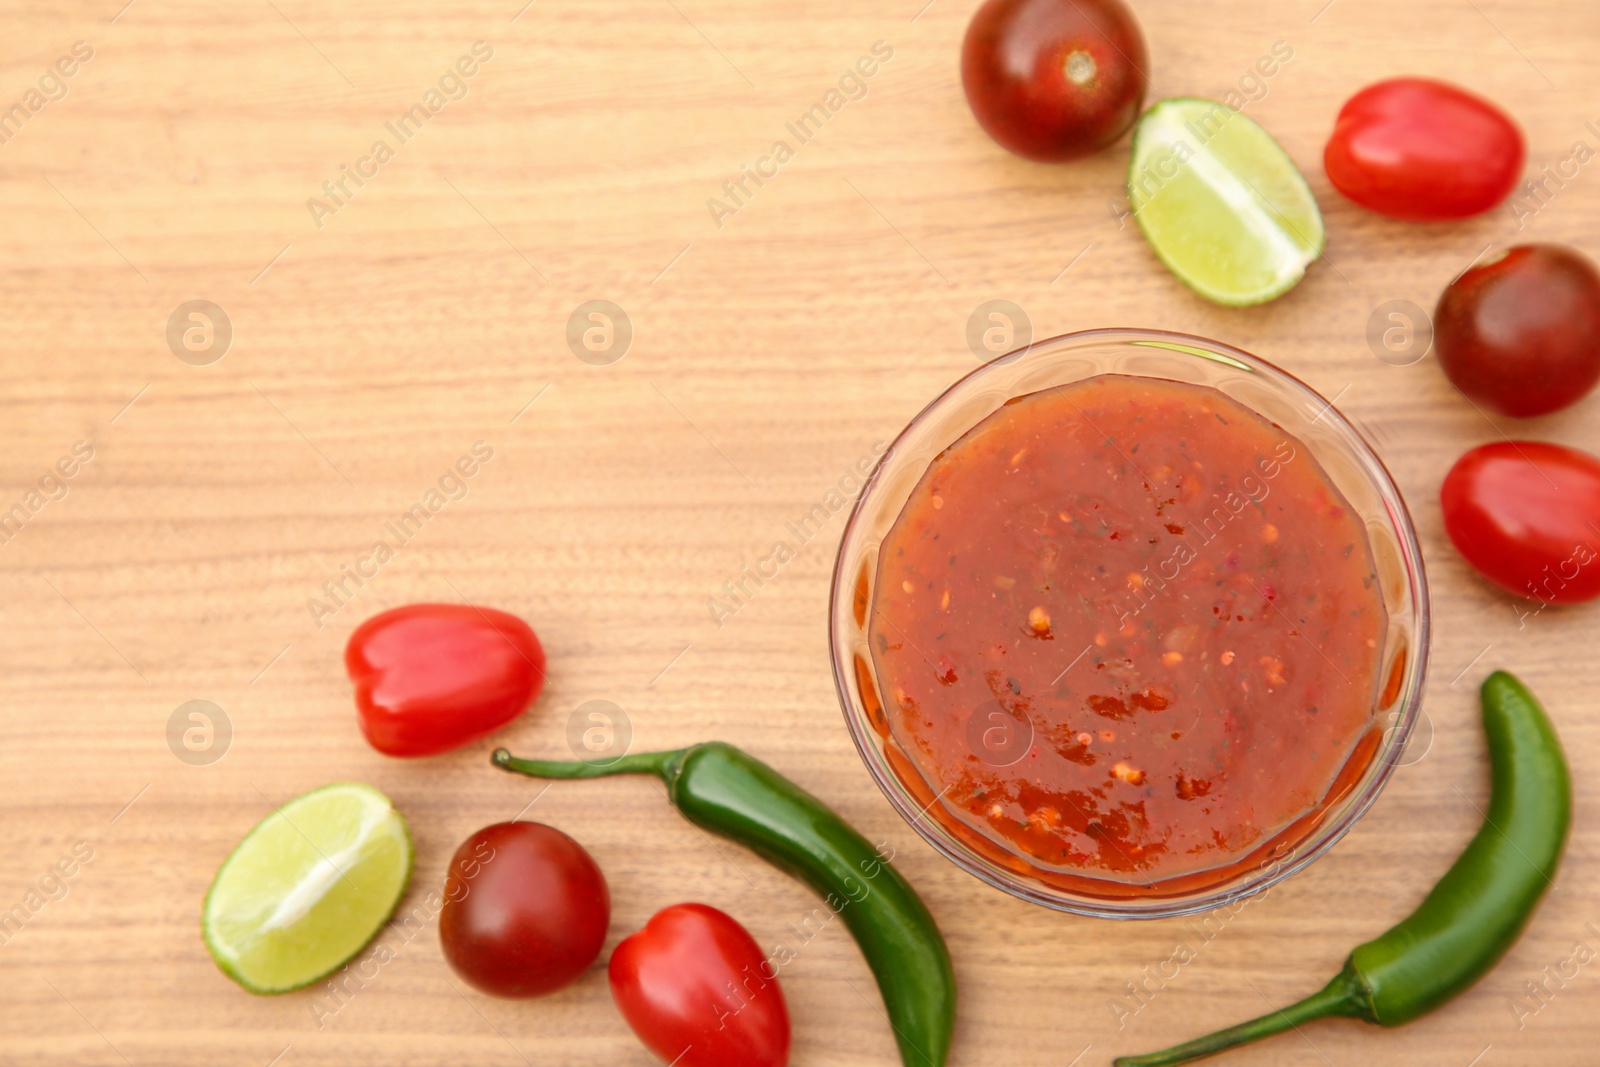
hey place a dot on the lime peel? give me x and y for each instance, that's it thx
(1221, 203)
(307, 888)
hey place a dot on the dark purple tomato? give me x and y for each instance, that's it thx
(1054, 79)
(1419, 149)
(525, 910)
(1521, 332)
(1527, 515)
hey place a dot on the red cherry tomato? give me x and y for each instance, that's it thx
(1419, 149)
(1054, 79)
(433, 677)
(1521, 332)
(699, 992)
(525, 910)
(1527, 515)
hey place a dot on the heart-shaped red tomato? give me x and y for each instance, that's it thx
(699, 992)
(1527, 515)
(1415, 148)
(433, 677)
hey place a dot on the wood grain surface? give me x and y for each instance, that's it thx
(377, 339)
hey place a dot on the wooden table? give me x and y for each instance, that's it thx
(377, 337)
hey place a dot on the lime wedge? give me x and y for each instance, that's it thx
(307, 888)
(1220, 202)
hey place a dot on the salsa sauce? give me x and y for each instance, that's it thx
(1126, 630)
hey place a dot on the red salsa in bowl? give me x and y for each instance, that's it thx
(1124, 641)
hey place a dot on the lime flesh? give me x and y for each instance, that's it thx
(307, 888)
(1222, 205)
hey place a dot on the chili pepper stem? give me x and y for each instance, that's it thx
(660, 764)
(1342, 996)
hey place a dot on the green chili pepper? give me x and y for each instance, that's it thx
(1476, 911)
(722, 789)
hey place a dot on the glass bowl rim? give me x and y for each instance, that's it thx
(1320, 839)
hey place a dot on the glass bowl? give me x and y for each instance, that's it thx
(1265, 389)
